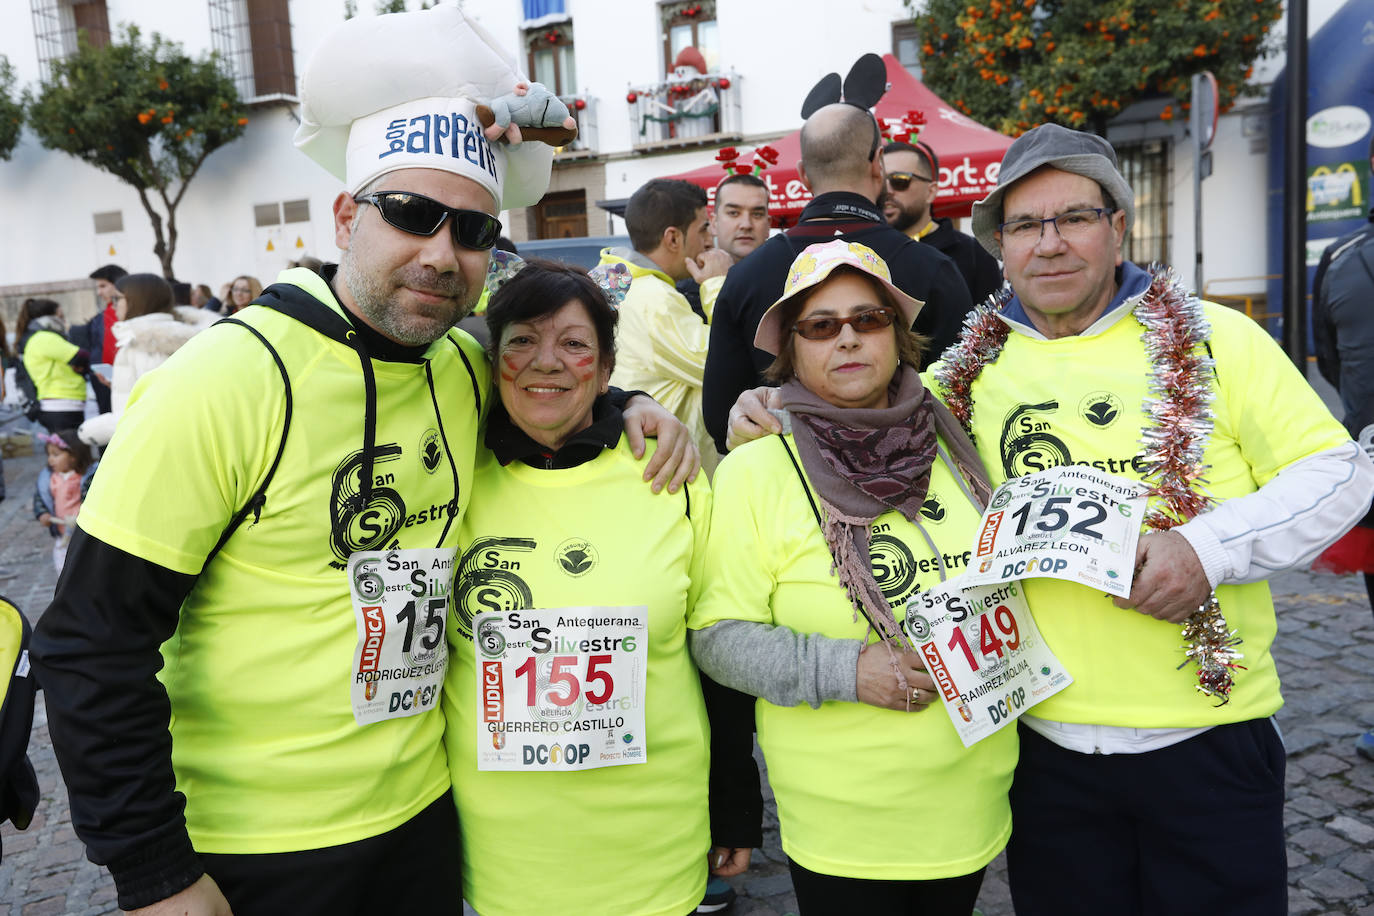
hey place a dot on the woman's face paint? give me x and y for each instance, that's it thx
(551, 372)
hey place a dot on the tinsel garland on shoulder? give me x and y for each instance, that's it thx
(1179, 423)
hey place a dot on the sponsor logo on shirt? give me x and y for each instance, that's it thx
(576, 557)
(489, 581)
(431, 450)
(354, 526)
(932, 510)
(1101, 408)
(1030, 442)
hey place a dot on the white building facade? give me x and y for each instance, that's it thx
(258, 203)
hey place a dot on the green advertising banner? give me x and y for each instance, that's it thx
(1337, 191)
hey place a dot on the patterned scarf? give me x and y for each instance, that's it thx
(863, 462)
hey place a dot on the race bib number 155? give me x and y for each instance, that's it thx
(561, 688)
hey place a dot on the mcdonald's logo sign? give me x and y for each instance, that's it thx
(1336, 189)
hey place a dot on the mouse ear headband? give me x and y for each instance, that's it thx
(862, 88)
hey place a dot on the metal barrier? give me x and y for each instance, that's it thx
(1254, 305)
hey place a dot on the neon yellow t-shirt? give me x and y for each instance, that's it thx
(1077, 400)
(264, 743)
(854, 783)
(624, 839)
(46, 360)
(661, 347)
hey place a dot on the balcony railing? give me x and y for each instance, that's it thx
(685, 112)
(583, 108)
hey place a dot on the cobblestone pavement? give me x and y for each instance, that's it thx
(1325, 653)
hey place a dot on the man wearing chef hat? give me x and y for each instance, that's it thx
(243, 683)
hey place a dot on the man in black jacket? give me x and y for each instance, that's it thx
(841, 166)
(1343, 330)
(913, 177)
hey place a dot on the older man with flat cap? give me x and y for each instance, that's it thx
(243, 681)
(1154, 783)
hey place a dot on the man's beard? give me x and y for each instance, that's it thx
(905, 218)
(377, 299)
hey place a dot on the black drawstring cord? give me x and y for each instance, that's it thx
(369, 420)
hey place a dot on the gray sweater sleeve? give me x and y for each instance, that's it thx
(782, 666)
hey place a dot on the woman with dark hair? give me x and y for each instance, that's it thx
(594, 751)
(55, 366)
(150, 329)
(818, 534)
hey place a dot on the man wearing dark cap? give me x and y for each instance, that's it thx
(243, 683)
(842, 167)
(1155, 781)
(1151, 783)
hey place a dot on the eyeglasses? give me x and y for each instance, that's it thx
(900, 181)
(420, 215)
(828, 326)
(1075, 224)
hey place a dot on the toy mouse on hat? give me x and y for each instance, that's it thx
(429, 89)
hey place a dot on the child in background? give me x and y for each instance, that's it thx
(61, 487)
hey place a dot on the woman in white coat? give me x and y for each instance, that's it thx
(150, 329)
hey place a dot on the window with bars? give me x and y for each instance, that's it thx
(551, 58)
(690, 24)
(58, 23)
(906, 46)
(1146, 167)
(253, 37)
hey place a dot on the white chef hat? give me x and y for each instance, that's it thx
(399, 91)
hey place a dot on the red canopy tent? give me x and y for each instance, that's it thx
(970, 154)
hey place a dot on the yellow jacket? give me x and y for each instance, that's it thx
(661, 344)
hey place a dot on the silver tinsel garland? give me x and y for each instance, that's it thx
(1180, 414)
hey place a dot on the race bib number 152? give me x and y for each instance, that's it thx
(1074, 523)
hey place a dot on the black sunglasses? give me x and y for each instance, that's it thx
(420, 215)
(829, 326)
(900, 181)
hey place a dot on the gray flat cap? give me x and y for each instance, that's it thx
(1067, 150)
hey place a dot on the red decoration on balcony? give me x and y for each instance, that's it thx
(632, 97)
(579, 104)
(724, 82)
(552, 37)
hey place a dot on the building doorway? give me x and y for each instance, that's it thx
(561, 215)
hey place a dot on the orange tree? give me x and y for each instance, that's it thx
(11, 110)
(1013, 64)
(144, 112)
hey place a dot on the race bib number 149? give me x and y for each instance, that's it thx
(985, 653)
